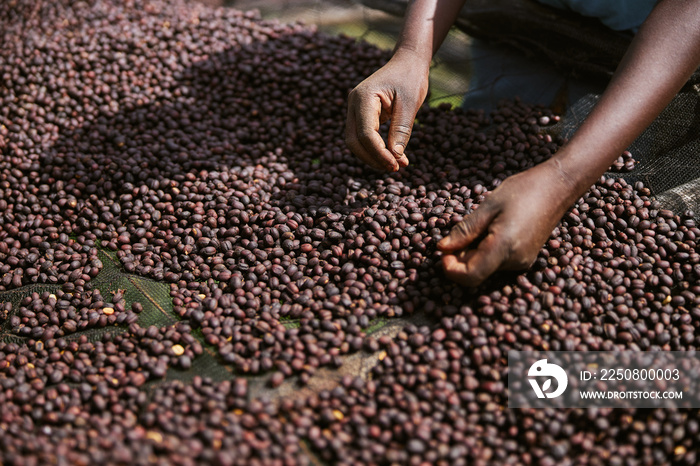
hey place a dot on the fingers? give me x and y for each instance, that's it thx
(472, 267)
(357, 148)
(400, 131)
(466, 231)
(362, 133)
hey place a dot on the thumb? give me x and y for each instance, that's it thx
(466, 231)
(400, 128)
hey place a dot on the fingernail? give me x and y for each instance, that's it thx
(398, 149)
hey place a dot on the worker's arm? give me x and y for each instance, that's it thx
(397, 90)
(518, 217)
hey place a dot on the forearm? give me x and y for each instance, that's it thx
(659, 61)
(425, 27)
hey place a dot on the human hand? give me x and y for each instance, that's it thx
(394, 92)
(512, 224)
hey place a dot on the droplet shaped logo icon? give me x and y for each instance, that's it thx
(541, 369)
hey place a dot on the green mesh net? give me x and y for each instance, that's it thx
(157, 304)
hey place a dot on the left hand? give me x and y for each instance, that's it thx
(394, 92)
(512, 223)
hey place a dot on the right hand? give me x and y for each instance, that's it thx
(508, 229)
(394, 92)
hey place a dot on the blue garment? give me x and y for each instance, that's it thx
(500, 73)
(618, 15)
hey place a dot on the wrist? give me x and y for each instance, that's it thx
(566, 182)
(414, 56)
(577, 171)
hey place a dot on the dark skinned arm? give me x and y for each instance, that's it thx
(517, 218)
(397, 90)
